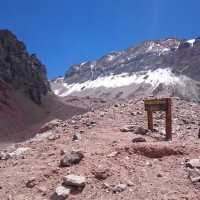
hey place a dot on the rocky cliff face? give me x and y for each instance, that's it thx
(26, 101)
(170, 66)
(19, 70)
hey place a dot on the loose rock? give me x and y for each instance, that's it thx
(76, 137)
(53, 137)
(138, 139)
(129, 128)
(60, 193)
(119, 188)
(142, 131)
(101, 173)
(73, 180)
(193, 163)
(194, 175)
(50, 125)
(70, 158)
(31, 182)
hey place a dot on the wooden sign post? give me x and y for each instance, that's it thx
(160, 105)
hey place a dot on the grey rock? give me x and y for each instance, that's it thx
(129, 128)
(119, 188)
(4, 156)
(89, 122)
(61, 193)
(193, 163)
(138, 139)
(149, 163)
(134, 113)
(53, 137)
(63, 152)
(31, 182)
(71, 158)
(76, 137)
(199, 133)
(16, 153)
(130, 183)
(74, 180)
(194, 175)
(102, 114)
(178, 128)
(142, 131)
(16, 62)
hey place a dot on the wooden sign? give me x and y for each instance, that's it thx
(159, 105)
(156, 105)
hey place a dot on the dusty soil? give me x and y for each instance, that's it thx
(152, 170)
(21, 118)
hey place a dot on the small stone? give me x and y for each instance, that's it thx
(53, 137)
(62, 152)
(119, 188)
(76, 137)
(149, 164)
(159, 175)
(102, 114)
(74, 180)
(106, 185)
(140, 130)
(138, 139)
(31, 182)
(130, 183)
(60, 193)
(129, 128)
(101, 173)
(42, 189)
(134, 113)
(178, 128)
(4, 156)
(113, 154)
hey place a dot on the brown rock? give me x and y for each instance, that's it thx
(48, 126)
(101, 173)
(138, 139)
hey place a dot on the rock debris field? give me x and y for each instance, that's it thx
(107, 154)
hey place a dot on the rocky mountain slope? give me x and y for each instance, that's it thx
(108, 154)
(25, 95)
(162, 67)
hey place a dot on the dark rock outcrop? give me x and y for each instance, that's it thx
(26, 100)
(20, 70)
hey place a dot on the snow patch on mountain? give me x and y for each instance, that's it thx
(113, 81)
(191, 41)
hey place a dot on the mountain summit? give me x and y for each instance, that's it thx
(161, 67)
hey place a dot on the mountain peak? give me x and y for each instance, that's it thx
(170, 62)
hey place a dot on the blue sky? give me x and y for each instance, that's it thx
(66, 32)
